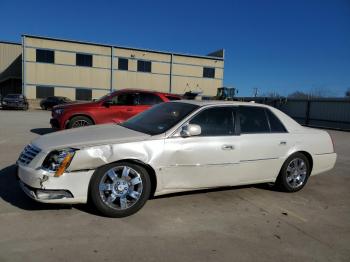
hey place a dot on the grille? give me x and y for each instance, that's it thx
(28, 154)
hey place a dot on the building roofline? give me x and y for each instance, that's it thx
(9, 42)
(123, 47)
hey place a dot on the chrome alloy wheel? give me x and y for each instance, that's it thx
(296, 173)
(120, 187)
(80, 123)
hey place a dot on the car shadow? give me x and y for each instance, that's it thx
(11, 192)
(216, 189)
(42, 131)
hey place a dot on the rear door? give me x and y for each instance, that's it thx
(264, 143)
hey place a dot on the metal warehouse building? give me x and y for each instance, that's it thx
(43, 67)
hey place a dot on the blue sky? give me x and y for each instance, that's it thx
(276, 46)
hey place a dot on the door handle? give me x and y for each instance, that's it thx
(282, 143)
(227, 147)
(129, 109)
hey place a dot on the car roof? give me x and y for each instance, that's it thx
(131, 90)
(202, 103)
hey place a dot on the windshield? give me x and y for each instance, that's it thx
(14, 96)
(160, 118)
(103, 97)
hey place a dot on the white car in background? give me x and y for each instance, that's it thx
(173, 147)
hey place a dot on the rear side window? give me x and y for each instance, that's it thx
(173, 98)
(149, 99)
(253, 120)
(216, 121)
(275, 124)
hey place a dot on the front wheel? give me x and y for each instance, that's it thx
(294, 173)
(120, 189)
(79, 121)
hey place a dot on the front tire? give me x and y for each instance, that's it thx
(120, 189)
(294, 173)
(80, 121)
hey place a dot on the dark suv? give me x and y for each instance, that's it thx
(51, 101)
(15, 101)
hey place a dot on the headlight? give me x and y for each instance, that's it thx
(4, 102)
(58, 111)
(58, 160)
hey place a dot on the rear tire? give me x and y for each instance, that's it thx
(120, 189)
(79, 121)
(294, 173)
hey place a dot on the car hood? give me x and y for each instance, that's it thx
(74, 104)
(16, 100)
(88, 136)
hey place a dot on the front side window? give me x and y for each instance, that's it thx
(160, 118)
(217, 121)
(45, 56)
(124, 99)
(149, 99)
(144, 66)
(84, 60)
(253, 120)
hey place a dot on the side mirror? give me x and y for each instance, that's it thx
(190, 130)
(108, 103)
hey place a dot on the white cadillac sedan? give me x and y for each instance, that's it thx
(173, 147)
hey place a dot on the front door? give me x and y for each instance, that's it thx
(207, 160)
(122, 107)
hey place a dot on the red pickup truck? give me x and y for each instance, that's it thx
(115, 107)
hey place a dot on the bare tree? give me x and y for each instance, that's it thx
(299, 95)
(347, 93)
(272, 94)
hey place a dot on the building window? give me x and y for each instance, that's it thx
(123, 64)
(208, 72)
(44, 91)
(144, 66)
(45, 56)
(83, 94)
(84, 60)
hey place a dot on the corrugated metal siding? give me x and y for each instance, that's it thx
(8, 54)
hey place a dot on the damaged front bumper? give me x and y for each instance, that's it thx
(42, 186)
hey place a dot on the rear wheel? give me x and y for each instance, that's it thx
(294, 173)
(79, 121)
(120, 189)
